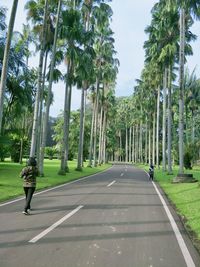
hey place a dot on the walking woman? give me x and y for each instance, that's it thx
(29, 174)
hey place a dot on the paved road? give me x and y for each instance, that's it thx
(115, 219)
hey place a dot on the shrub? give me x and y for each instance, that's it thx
(50, 152)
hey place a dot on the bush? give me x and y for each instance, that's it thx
(50, 152)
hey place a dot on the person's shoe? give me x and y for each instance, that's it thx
(25, 212)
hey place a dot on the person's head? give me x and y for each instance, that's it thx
(32, 162)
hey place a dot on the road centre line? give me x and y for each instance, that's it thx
(53, 226)
(186, 254)
(111, 183)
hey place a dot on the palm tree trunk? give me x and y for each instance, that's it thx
(137, 144)
(49, 95)
(37, 100)
(5, 59)
(91, 136)
(146, 142)
(96, 123)
(169, 134)
(22, 140)
(130, 143)
(126, 148)
(133, 144)
(81, 136)
(100, 135)
(164, 122)
(157, 128)
(154, 135)
(120, 145)
(141, 143)
(181, 88)
(67, 127)
(193, 127)
(62, 170)
(40, 119)
(150, 145)
(104, 136)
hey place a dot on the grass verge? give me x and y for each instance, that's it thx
(185, 197)
(11, 183)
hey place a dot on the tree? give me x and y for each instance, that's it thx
(71, 33)
(49, 95)
(6, 58)
(38, 93)
(186, 8)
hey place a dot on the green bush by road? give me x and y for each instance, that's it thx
(11, 183)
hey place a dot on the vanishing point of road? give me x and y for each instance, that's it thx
(117, 218)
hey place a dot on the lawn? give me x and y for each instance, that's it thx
(11, 183)
(185, 197)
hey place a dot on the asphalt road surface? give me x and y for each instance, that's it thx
(117, 218)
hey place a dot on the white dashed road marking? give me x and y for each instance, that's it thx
(111, 183)
(53, 226)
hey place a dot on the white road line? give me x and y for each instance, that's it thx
(186, 254)
(12, 201)
(53, 188)
(53, 226)
(121, 174)
(111, 183)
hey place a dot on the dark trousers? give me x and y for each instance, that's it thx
(151, 174)
(29, 193)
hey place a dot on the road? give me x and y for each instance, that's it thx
(116, 218)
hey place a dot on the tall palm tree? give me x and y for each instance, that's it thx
(39, 81)
(186, 8)
(71, 33)
(102, 15)
(85, 72)
(6, 58)
(49, 95)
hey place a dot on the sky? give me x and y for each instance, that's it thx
(130, 18)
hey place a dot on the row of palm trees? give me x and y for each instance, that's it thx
(79, 34)
(168, 44)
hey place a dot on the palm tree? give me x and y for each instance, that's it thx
(186, 8)
(102, 15)
(38, 93)
(71, 33)
(49, 95)
(85, 72)
(6, 58)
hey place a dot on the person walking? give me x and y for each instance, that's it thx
(29, 174)
(151, 172)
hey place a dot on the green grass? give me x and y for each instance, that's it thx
(185, 197)
(11, 183)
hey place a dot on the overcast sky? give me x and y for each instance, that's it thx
(130, 17)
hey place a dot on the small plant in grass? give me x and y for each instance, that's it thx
(51, 152)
